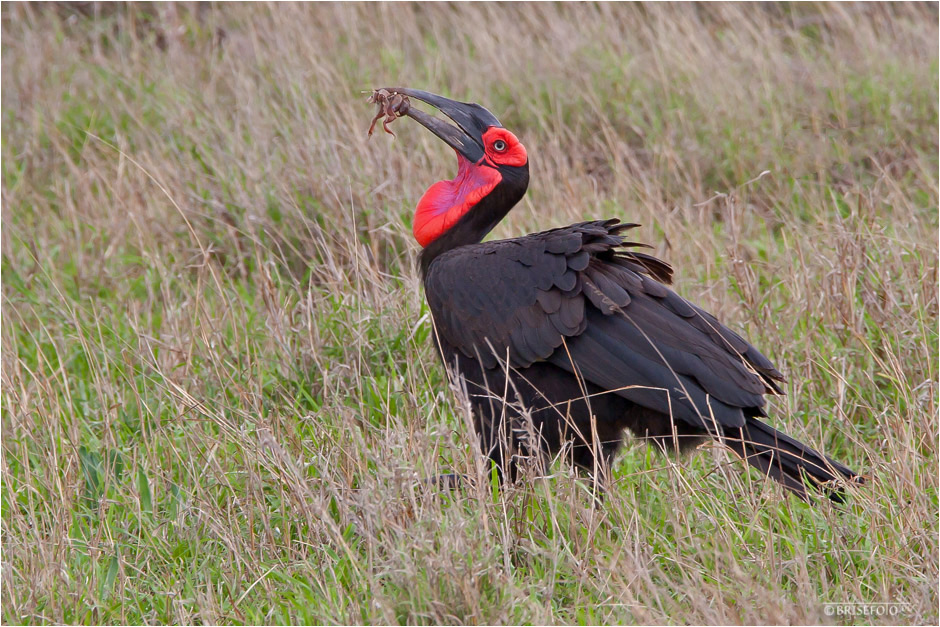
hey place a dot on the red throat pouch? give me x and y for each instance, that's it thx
(446, 202)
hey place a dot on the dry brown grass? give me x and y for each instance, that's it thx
(218, 388)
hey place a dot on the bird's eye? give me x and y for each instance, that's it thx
(499, 145)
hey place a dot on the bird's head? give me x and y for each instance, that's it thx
(492, 173)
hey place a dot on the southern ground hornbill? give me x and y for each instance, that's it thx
(565, 338)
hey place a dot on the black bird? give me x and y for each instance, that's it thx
(570, 336)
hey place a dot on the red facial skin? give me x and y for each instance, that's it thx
(446, 202)
(513, 154)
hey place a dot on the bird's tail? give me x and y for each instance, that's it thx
(789, 462)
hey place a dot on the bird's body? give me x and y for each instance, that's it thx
(569, 337)
(566, 338)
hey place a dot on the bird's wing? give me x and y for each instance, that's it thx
(580, 298)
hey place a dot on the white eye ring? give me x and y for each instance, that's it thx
(499, 145)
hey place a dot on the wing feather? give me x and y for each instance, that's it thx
(623, 328)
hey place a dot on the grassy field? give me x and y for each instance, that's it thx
(219, 393)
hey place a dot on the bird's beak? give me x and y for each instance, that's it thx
(471, 121)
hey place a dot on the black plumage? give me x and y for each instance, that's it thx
(577, 302)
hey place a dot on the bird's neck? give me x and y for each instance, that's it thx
(474, 225)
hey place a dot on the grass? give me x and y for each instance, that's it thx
(219, 393)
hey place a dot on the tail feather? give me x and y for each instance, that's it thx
(788, 461)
